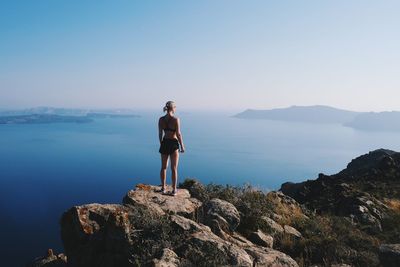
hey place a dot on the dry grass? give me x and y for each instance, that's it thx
(290, 213)
(143, 187)
(393, 203)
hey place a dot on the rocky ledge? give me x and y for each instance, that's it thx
(153, 229)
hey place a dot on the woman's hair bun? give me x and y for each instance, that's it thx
(168, 105)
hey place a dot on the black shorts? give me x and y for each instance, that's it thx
(168, 146)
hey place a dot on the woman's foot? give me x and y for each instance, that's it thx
(162, 190)
(174, 192)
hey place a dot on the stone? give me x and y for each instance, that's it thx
(240, 246)
(223, 212)
(261, 239)
(292, 231)
(185, 224)
(168, 259)
(209, 248)
(230, 250)
(267, 257)
(273, 226)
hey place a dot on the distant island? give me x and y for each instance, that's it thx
(108, 115)
(373, 121)
(367, 121)
(64, 111)
(44, 115)
(43, 118)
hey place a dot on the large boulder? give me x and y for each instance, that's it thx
(147, 196)
(223, 213)
(97, 235)
(204, 248)
(182, 224)
(267, 257)
(273, 227)
(261, 239)
(291, 231)
(389, 255)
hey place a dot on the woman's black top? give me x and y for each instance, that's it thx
(167, 128)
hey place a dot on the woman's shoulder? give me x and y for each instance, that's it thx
(173, 118)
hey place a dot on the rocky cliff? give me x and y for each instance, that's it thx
(153, 229)
(348, 219)
(364, 191)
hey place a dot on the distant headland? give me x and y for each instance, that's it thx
(44, 115)
(367, 121)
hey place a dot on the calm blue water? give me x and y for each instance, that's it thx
(45, 169)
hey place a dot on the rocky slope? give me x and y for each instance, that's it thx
(363, 191)
(348, 219)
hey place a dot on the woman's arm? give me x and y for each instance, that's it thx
(179, 134)
(160, 131)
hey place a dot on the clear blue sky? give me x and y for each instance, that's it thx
(202, 54)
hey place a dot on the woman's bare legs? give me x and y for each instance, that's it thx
(163, 171)
(174, 168)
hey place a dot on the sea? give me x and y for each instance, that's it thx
(47, 168)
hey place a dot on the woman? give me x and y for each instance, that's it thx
(169, 145)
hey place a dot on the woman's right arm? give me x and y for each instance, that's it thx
(160, 132)
(179, 134)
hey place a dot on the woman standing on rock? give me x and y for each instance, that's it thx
(169, 145)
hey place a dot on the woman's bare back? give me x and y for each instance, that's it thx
(169, 125)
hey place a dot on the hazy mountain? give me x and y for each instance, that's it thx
(64, 111)
(60, 115)
(43, 119)
(313, 114)
(376, 121)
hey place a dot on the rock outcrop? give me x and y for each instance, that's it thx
(355, 192)
(261, 239)
(153, 229)
(97, 235)
(221, 214)
(50, 260)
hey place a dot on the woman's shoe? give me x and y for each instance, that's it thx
(162, 190)
(174, 192)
